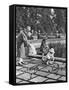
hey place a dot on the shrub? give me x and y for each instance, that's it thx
(60, 49)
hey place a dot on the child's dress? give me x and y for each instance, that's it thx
(44, 48)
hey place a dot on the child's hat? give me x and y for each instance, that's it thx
(52, 50)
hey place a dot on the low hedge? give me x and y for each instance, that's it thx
(60, 49)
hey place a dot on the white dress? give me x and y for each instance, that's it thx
(32, 50)
(22, 51)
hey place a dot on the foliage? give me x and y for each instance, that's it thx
(60, 49)
(39, 19)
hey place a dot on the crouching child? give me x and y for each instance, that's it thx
(50, 56)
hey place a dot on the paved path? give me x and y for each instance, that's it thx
(33, 71)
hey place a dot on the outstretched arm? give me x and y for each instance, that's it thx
(24, 35)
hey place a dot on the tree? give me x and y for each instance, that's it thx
(39, 18)
(61, 19)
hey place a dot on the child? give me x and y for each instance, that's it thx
(50, 56)
(44, 48)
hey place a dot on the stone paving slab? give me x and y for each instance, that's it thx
(48, 68)
(40, 67)
(23, 69)
(61, 72)
(18, 80)
(32, 71)
(63, 78)
(29, 65)
(38, 79)
(62, 66)
(18, 72)
(33, 75)
(42, 73)
(50, 80)
(23, 82)
(18, 67)
(53, 76)
(26, 76)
